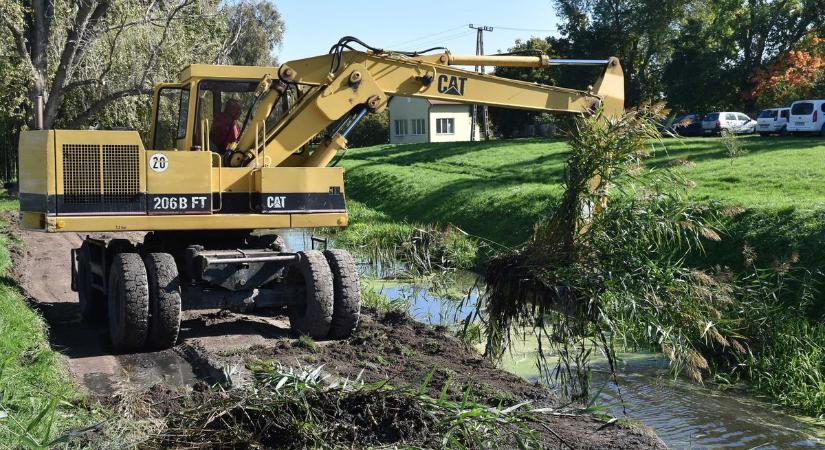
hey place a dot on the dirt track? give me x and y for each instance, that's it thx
(214, 343)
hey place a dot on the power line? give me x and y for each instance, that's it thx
(444, 39)
(524, 29)
(427, 36)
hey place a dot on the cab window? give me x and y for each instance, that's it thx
(170, 119)
(222, 110)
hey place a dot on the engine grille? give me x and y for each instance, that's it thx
(101, 178)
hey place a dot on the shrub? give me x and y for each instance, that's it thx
(374, 129)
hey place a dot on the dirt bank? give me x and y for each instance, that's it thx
(214, 345)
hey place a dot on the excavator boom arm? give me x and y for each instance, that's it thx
(347, 82)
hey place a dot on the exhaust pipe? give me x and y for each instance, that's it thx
(38, 112)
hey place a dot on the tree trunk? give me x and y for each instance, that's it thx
(37, 38)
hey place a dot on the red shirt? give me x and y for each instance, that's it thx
(224, 131)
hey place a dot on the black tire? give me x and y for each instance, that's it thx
(93, 307)
(164, 300)
(347, 294)
(128, 302)
(116, 246)
(822, 131)
(314, 317)
(764, 134)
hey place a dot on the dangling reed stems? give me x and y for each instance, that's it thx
(588, 267)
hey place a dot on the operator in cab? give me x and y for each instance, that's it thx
(225, 128)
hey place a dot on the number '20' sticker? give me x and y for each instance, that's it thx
(158, 162)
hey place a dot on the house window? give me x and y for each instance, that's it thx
(401, 127)
(445, 126)
(418, 126)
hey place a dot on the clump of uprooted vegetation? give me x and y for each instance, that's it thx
(593, 278)
(301, 408)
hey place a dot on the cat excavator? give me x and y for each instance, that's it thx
(234, 151)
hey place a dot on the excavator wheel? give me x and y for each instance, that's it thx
(92, 301)
(128, 302)
(314, 316)
(164, 300)
(347, 294)
(116, 246)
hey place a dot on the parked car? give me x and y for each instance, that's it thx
(734, 122)
(773, 120)
(686, 125)
(807, 116)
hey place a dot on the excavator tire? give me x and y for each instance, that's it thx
(116, 246)
(92, 302)
(128, 302)
(314, 317)
(347, 294)
(164, 300)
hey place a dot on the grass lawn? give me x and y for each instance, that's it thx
(37, 399)
(775, 173)
(497, 190)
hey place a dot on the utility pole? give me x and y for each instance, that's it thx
(480, 51)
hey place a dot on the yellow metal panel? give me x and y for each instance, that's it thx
(96, 138)
(298, 179)
(186, 173)
(37, 162)
(232, 72)
(167, 222)
(319, 220)
(232, 179)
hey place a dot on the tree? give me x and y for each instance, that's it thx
(373, 129)
(636, 31)
(701, 74)
(509, 122)
(766, 30)
(254, 31)
(794, 75)
(86, 57)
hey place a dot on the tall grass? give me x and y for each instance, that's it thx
(38, 403)
(422, 249)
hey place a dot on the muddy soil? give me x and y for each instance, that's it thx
(217, 344)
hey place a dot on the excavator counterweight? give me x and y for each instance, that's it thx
(233, 150)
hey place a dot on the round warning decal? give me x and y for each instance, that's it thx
(158, 162)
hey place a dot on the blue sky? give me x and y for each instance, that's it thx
(312, 26)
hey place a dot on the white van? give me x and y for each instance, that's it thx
(807, 116)
(772, 120)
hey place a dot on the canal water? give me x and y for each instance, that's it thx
(683, 414)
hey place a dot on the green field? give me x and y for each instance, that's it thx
(497, 190)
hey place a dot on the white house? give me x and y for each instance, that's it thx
(415, 120)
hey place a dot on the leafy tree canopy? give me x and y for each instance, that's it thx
(94, 61)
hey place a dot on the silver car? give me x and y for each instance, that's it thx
(734, 122)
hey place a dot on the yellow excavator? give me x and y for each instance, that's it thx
(237, 149)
